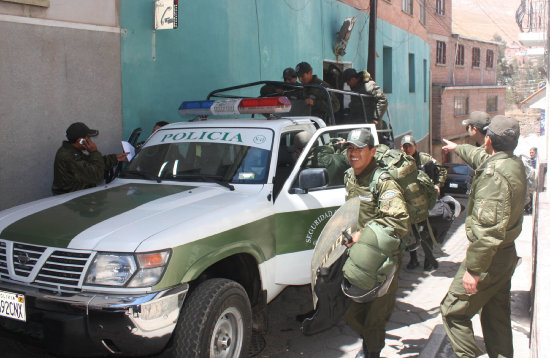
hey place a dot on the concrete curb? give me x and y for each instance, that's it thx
(434, 343)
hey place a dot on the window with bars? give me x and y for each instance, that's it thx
(492, 104)
(408, 6)
(460, 55)
(476, 56)
(440, 7)
(462, 106)
(490, 58)
(422, 12)
(441, 53)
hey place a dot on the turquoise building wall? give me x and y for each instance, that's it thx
(409, 111)
(221, 43)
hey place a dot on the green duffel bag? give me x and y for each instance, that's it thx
(372, 261)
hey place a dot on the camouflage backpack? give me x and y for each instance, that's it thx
(418, 189)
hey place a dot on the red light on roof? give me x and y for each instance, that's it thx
(264, 105)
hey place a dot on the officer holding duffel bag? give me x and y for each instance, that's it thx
(372, 268)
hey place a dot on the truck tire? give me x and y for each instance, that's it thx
(215, 321)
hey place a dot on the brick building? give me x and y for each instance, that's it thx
(464, 79)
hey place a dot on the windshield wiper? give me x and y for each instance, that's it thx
(144, 175)
(207, 178)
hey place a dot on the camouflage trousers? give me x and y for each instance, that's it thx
(492, 301)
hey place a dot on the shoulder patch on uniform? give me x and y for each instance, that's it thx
(385, 176)
(388, 194)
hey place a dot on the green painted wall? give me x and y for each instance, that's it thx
(221, 43)
(409, 111)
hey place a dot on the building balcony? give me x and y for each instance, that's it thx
(532, 39)
(532, 16)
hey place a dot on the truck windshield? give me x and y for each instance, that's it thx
(201, 161)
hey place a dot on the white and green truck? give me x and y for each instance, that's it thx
(181, 253)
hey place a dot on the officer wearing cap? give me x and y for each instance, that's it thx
(475, 125)
(73, 169)
(438, 174)
(289, 76)
(494, 216)
(329, 156)
(375, 104)
(383, 211)
(314, 96)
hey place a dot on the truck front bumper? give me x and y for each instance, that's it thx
(95, 324)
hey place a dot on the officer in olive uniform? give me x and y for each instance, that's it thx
(493, 222)
(329, 156)
(289, 76)
(423, 161)
(316, 97)
(375, 105)
(73, 170)
(385, 209)
(475, 125)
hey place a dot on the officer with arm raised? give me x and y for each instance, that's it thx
(314, 96)
(494, 217)
(76, 170)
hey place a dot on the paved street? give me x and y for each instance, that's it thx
(410, 328)
(416, 314)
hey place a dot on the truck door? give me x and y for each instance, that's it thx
(300, 216)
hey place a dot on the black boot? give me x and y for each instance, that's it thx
(363, 352)
(373, 355)
(413, 263)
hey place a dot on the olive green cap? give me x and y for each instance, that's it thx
(503, 126)
(360, 138)
(408, 139)
(477, 119)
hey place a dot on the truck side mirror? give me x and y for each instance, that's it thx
(313, 178)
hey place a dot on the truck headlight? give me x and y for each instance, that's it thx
(130, 270)
(151, 267)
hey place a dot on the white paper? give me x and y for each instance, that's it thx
(128, 148)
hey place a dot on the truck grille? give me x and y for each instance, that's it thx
(25, 258)
(63, 271)
(60, 270)
(3, 259)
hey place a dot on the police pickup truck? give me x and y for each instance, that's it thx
(180, 254)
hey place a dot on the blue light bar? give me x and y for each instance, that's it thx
(235, 106)
(195, 108)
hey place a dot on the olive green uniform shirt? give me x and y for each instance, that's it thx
(74, 170)
(387, 207)
(320, 104)
(494, 213)
(335, 161)
(375, 106)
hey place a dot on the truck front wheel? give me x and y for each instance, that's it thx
(215, 321)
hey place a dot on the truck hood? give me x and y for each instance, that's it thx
(116, 218)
